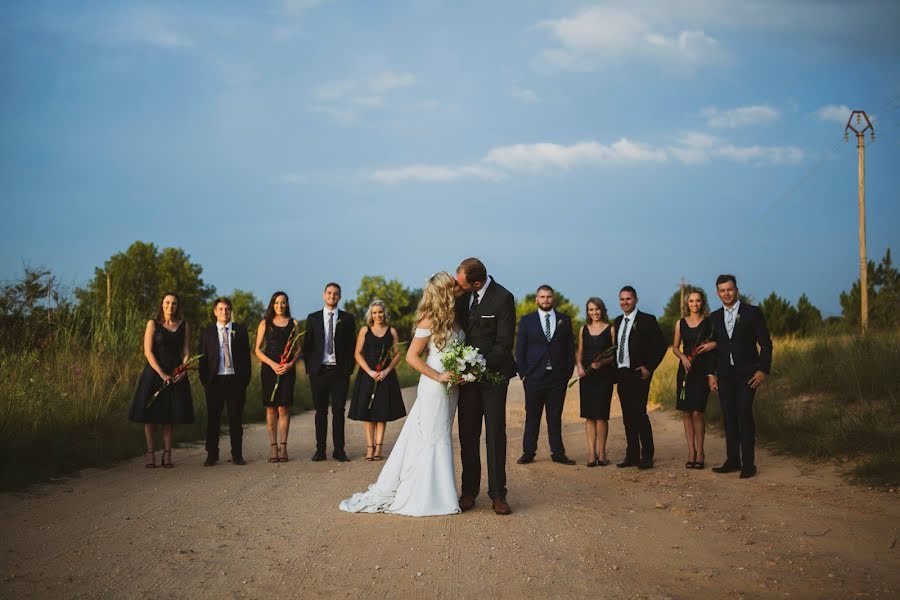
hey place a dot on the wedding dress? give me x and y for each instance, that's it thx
(418, 478)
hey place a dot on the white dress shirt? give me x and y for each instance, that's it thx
(329, 359)
(542, 315)
(731, 315)
(624, 336)
(225, 330)
(480, 293)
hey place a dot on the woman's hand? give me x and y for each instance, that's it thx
(686, 362)
(167, 379)
(179, 377)
(706, 347)
(280, 369)
(447, 377)
(580, 371)
(602, 362)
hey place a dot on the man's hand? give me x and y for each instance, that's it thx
(757, 379)
(713, 383)
(645, 372)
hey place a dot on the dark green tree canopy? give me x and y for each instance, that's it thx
(401, 302)
(884, 296)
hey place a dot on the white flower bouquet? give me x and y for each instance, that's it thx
(467, 365)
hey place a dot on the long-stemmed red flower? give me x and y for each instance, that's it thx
(696, 352)
(286, 356)
(387, 355)
(606, 353)
(188, 365)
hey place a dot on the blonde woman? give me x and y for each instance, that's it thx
(376, 395)
(418, 478)
(693, 330)
(597, 376)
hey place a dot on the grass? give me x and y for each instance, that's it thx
(829, 398)
(64, 401)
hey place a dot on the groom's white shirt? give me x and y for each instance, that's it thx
(625, 363)
(730, 321)
(480, 293)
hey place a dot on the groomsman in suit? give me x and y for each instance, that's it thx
(225, 374)
(641, 349)
(328, 347)
(487, 313)
(742, 362)
(545, 357)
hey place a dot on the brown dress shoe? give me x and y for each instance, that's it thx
(466, 502)
(501, 507)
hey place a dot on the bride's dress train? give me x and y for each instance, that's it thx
(418, 478)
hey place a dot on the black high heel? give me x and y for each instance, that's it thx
(370, 458)
(283, 458)
(169, 464)
(377, 456)
(274, 459)
(152, 463)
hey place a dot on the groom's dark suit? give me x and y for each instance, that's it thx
(735, 361)
(544, 387)
(224, 390)
(491, 328)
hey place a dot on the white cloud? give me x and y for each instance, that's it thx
(148, 26)
(526, 95)
(741, 116)
(435, 173)
(341, 115)
(387, 81)
(694, 148)
(296, 8)
(834, 112)
(539, 156)
(605, 34)
(343, 99)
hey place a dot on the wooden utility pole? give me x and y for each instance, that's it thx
(863, 261)
(681, 291)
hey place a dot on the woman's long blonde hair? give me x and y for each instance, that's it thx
(704, 310)
(437, 305)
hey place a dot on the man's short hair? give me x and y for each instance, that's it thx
(543, 288)
(473, 269)
(725, 278)
(333, 284)
(629, 289)
(223, 300)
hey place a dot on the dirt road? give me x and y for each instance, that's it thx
(275, 531)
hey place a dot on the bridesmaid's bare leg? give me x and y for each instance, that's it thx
(590, 432)
(602, 433)
(284, 426)
(688, 420)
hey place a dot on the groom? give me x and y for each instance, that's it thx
(486, 311)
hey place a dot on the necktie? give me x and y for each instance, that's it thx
(329, 335)
(547, 326)
(473, 307)
(226, 348)
(622, 340)
(729, 322)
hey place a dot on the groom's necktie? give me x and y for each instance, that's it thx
(329, 335)
(226, 349)
(547, 333)
(622, 340)
(473, 307)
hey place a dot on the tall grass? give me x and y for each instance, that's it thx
(64, 399)
(829, 398)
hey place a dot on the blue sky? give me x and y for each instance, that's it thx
(585, 145)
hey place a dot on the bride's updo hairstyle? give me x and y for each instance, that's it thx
(437, 305)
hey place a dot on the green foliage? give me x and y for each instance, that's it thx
(884, 296)
(401, 302)
(248, 310)
(781, 317)
(139, 276)
(672, 312)
(29, 307)
(809, 318)
(528, 305)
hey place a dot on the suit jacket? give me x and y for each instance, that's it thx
(533, 350)
(492, 328)
(749, 332)
(344, 342)
(646, 344)
(240, 353)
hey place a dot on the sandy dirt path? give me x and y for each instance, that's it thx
(275, 531)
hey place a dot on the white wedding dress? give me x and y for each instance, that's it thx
(419, 478)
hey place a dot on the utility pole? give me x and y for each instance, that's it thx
(681, 292)
(860, 132)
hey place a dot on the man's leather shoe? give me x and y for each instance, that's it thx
(626, 463)
(525, 459)
(319, 455)
(727, 467)
(340, 456)
(238, 460)
(562, 459)
(466, 502)
(501, 507)
(210, 460)
(748, 472)
(646, 464)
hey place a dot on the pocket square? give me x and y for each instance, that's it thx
(488, 316)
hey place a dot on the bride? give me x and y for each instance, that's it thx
(418, 478)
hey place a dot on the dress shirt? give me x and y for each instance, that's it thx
(625, 363)
(480, 293)
(731, 314)
(542, 315)
(329, 359)
(222, 331)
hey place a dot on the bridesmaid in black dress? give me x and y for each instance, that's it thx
(272, 338)
(693, 389)
(374, 344)
(166, 344)
(596, 379)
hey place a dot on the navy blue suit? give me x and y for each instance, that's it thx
(543, 386)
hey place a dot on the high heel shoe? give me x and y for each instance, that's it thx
(284, 456)
(370, 458)
(167, 464)
(152, 463)
(274, 459)
(377, 456)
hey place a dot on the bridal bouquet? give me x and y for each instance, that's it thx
(467, 365)
(188, 365)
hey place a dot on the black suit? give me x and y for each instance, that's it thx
(751, 349)
(329, 384)
(646, 348)
(225, 390)
(491, 328)
(543, 386)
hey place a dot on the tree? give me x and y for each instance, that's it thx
(137, 279)
(781, 317)
(672, 311)
(809, 318)
(884, 296)
(31, 306)
(528, 305)
(400, 301)
(248, 310)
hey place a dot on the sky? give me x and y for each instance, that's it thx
(587, 145)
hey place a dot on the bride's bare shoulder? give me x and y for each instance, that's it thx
(424, 324)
